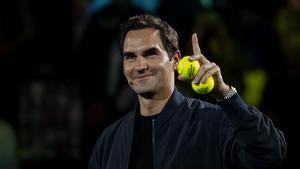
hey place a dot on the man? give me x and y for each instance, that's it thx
(167, 130)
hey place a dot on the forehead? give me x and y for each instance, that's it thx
(142, 38)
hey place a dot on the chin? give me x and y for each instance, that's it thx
(143, 91)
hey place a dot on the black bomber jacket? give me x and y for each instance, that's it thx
(193, 134)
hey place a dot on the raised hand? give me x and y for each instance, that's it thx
(208, 69)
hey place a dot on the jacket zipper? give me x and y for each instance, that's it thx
(153, 144)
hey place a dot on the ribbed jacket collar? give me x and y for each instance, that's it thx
(169, 109)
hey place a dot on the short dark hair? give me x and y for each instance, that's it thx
(168, 35)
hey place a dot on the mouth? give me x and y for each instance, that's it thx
(142, 77)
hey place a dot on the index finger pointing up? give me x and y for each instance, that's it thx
(196, 48)
(197, 51)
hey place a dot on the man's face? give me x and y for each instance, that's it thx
(146, 64)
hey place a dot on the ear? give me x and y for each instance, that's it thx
(175, 59)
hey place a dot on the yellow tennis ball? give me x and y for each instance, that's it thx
(188, 69)
(204, 88)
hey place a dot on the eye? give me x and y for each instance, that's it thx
(129, 57)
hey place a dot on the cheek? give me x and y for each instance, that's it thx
(166, 70)
(126, 70)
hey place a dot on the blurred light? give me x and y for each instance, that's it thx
(255, 83)
(98, 5)
(206, 3)
(149, 6)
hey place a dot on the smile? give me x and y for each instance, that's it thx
(143, 77)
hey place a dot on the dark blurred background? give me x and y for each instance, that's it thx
(61, 73)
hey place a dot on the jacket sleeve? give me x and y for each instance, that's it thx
(248, 138)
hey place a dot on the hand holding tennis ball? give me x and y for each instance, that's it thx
(188, 70)
(204, 88)
(205, 75)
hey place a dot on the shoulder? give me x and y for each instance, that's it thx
(110, 137)
(121, 125)
(116, 127)
(113, 131)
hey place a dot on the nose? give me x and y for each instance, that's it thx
(140, 63)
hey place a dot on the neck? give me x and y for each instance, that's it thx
(154, 105)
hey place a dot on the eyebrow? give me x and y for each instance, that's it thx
(150, 51)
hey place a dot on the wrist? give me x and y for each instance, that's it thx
(223, 91)
(228, 94)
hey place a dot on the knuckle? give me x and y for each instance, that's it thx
(202, 69)
(205, 66)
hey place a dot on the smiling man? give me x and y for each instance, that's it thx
(148, 69)
(167, 130)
